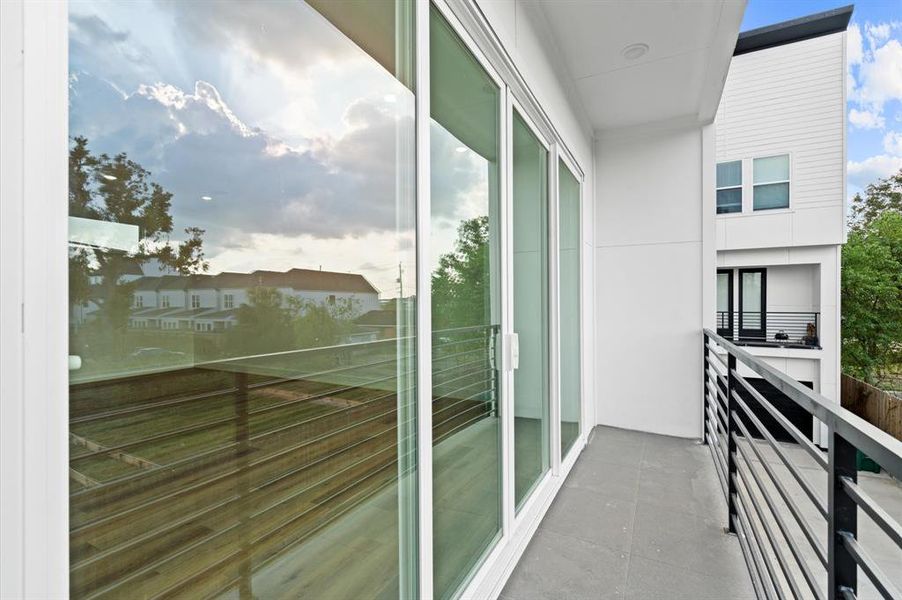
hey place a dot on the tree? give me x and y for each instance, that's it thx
(264, 325)
(878, 198)
(317, 324)
(872, 291)
(119, 190)
(460, 283)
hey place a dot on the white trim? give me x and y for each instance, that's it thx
(506, 401)
(45, 489)
(554, 303)
(753, 184)
(424, 301)
(12, 440)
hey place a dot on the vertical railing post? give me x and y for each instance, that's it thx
(242, 452)
(842, 517)
(705, 388)
(732, 513)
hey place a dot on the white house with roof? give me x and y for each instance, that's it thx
(781, 201)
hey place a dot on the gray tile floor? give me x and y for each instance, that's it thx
(640, 516)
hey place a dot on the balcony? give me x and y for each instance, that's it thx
(771, 329)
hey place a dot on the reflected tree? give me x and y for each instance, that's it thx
(460, 283)
(119, 190)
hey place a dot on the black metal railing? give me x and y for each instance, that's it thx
(188, 481)
(763, 510)
(780, 329)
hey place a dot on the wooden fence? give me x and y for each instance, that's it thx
(872, 404)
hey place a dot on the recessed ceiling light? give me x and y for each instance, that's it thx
(460, 149)
(634, 51)
(206, 198)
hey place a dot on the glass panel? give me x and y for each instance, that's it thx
(530, 238)
(729, 201)
(729, 174)
(751, 301)
(466, 310)
(241, 274)
(772, 168)
(570, 330)
(723, 292)
(773, 195)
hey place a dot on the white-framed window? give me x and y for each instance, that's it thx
(195, 301)
(729, 187)
(164, 301)
(770, 179)
(138, 301)
(228, 301)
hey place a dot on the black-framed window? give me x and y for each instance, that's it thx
(729, 187)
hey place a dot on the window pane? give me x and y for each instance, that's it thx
(729, 201)
(530, 229)
(466, 308)
(773, 168)
(729, 174)
(774, 195)
(232, 167)
(570, 330)
(723, 292)
(751, 290)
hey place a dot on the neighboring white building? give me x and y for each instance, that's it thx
(781, 180)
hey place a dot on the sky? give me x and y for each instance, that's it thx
(282, 139)
(874, 84)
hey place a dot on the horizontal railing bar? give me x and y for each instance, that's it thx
(774, 577)
(787, 425)
(767, 583)
(720, 359)
(720, 451)
(784, 528)
(793, 470)
(871, 569)
(884, 449)
(771, 536)
(720, 478)
(718, 419)
(719, 468)
(719, 396)
(747, 556)
(787, 499)
(888, 524)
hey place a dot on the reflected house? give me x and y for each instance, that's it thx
(208, 303)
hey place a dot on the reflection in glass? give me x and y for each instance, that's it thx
(570, 331)
(465, 308)
(241, 279)
(530, 238)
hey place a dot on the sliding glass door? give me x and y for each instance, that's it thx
(241, 276)
(530, 308)
(466, 307)
(570, 330)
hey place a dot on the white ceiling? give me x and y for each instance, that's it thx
(681, 76)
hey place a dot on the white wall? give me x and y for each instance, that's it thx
(787, 100)
(651, 208)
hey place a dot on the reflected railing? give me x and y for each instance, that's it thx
(193, 479)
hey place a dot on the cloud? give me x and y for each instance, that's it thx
(860, 174)
(880, 79)
(892, 143)
(865, 119)
(878, 33)
(854, 45)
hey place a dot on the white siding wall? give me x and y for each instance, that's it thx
(788, 99)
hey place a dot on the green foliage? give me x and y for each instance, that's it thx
(880, 197)
(460, 283)
(264, 325)
(272, 322)
(119, 190)
(872, 290)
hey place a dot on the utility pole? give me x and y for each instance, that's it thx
(400, 285)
